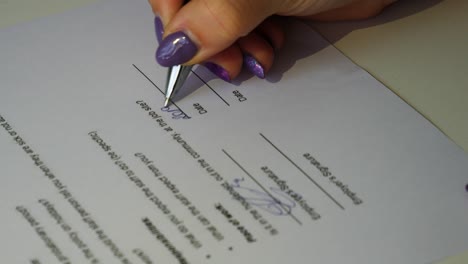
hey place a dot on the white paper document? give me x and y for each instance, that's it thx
(319, 163)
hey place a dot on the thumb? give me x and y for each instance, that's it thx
(203, 28)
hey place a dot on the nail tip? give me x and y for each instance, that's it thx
(218, 71)
(260, 75)
(254, 66)
(159, 28)
(162, 61)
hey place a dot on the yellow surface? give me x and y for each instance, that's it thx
(421, 53)
(17, 11)
(422, 56)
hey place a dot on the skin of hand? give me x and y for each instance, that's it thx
(225, 35)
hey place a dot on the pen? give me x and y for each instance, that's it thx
(176, 77)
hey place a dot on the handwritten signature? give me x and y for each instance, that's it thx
(176, 113)
(276, 203)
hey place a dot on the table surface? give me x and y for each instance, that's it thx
(417, 48)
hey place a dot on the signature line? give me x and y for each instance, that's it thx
(209, 86)
(261, 186)
(159, 89)
(303, 172)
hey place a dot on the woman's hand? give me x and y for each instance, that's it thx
(226, 34)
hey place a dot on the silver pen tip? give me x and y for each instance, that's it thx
(166, 103)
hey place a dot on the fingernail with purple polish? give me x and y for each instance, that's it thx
(175, 49)
(159, 28)
(218, 71)
(254, 66)
(466, 187)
